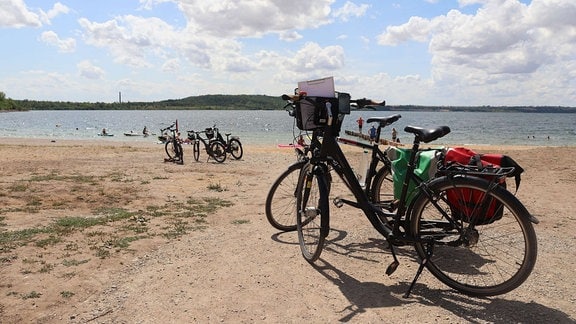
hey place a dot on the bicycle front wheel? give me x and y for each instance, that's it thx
(471, 252)
(236, 149)
(281, 199)
(170, 149)
(313, 214)
(217, 151)
(196, 150)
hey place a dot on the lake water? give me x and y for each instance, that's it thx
(272, 127)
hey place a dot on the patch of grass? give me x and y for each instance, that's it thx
(102, 252)
(177, 229)
(79, 222)
(77, 178)
(122, 242)
(18, 187)
(73, 263)
(216, 187)
(32, 294)
(68, 275)
(8, 259)
(240, 221)
(66, 294)
(51, 240)
(46, 268)
(10, 239)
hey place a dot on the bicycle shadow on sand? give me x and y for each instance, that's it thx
(374, 295)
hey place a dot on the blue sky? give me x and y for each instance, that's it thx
(425, 52)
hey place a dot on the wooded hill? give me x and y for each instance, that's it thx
(246, 102)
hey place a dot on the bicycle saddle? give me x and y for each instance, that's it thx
(383, 121)
(427, 135)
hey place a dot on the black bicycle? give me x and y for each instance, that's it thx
(231, 144)
(280, 203)
(172, 146)
(214, 149)
(445, 220)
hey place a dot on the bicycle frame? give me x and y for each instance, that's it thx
(377, 155)
(330, 153)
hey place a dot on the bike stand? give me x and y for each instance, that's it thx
(420, 268)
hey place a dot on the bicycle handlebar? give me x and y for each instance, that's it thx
(168, 128)
(361, 103)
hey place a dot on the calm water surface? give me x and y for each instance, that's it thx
(272, 127)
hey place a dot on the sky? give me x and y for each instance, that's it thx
(421, 52)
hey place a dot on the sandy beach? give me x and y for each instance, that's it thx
(107, 232)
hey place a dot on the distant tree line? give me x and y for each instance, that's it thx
(7, 104)
(205, 102)
(242, 102)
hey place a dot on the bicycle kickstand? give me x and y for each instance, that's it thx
(420, 268)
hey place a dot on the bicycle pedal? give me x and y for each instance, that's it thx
(338, 202)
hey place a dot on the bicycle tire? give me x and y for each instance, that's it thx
(217, 151)
(170, 150)
(281, 199)
(313, 213)
(235, 148)
(492, 259)
(196, 150)
(382, 191)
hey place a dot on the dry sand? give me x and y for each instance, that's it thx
(173, 260)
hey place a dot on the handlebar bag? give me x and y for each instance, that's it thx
(314, 112)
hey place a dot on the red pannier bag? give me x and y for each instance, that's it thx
(465, 201)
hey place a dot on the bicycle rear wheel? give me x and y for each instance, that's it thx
(281, 199)
(236, 149)
(487, 259)
(174, 151)
(313, 214)
(382, 191)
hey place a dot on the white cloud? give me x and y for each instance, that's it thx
(129, 39)
(350, 9)
(67, 45)
(56, 10)
(249, 18)
(290, 36)
(312, 57)
(150, 4)
(14, 13)
(172, 66)
(505, 46)
(89, 71)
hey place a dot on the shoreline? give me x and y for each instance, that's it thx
(140, 143)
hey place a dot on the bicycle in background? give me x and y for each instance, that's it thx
(231, 144)
(172, 146)
(214, 149)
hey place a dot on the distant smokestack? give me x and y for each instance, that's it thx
(120, 96)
